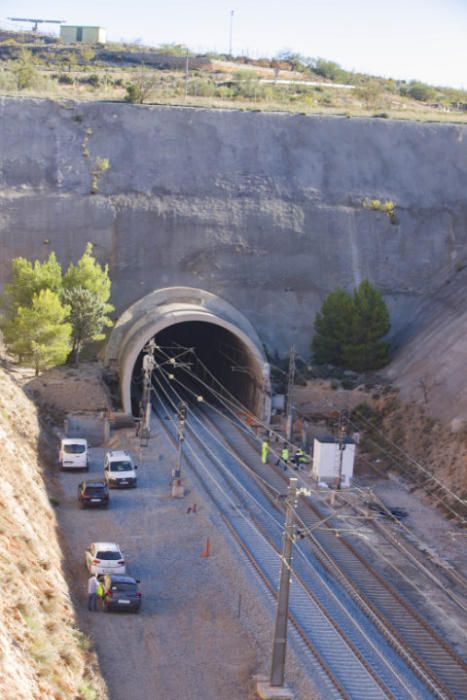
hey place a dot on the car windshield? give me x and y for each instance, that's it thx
(110, 556)
(95, 489)
(120, 466)
(128, 587)
(74, 449)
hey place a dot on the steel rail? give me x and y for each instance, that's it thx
(341, 692)
(441, 679)
(358, 655)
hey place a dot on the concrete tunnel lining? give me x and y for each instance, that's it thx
(172, 306)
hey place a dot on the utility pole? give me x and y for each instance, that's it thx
(279, 647)
(230, 32)
(144, 425)
(290, 385)
(186, 75)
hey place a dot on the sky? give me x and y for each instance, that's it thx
(402, 39)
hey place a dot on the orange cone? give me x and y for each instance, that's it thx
(207, 550)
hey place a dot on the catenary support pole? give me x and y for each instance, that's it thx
(279, 647)
(144, 425)
(181, 413)
(289, 404)
(341, 437)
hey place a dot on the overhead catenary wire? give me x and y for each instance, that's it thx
(235, 422)
(237, 458)
(352, 530)
(356, 532)
(436, 497)
(411, 459)
(302, 554)
(218, 461)
(233, 401)
(299, 549)
(424, 470)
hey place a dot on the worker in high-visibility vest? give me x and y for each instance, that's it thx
(284, 457)
(298, 457)
(264, 451)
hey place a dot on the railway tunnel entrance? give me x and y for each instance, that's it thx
(224, 347)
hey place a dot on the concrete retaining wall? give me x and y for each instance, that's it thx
(264, 210)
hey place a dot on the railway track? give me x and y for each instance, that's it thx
(360, 652)
(421, 647)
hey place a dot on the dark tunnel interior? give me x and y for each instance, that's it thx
(218, 349)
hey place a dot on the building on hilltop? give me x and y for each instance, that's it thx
(83, 35)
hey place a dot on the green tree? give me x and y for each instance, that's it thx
(89, 312)
(29, 279)
(39, 334)
(88, 318)
(332, 328)
(349, 329)
(365, 348)
(420, 91)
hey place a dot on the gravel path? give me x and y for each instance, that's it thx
(205, 627)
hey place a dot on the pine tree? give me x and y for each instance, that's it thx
(87, 290)
(349, 329)
(29, 279)
(39, 333)
(87, 316)
(365, 348)
(332, 328)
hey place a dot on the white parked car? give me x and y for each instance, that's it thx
(119, 470)
(73, 453)
(105, 558)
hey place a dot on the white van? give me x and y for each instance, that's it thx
(74, 453)
(119, 470)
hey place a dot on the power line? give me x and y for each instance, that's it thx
(427, 473)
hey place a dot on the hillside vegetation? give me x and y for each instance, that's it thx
(43, 653)
(42, 66)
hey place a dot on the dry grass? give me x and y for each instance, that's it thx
(169, 90)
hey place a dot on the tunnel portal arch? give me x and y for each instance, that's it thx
(176, 307)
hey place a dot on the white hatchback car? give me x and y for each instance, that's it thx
(105, 558)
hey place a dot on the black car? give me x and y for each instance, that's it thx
(93, 493)
(120, 593)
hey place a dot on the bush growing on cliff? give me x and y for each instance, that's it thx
(349, 329)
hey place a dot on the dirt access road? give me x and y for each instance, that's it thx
(188, 642)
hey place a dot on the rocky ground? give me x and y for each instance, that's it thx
(44, 655)
(205, 627)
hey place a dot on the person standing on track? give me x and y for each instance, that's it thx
(284, 457)
(264, 451)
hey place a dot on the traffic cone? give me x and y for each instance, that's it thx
(207, 550)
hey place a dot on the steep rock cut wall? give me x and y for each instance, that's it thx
(263, 210)
(42, 653)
